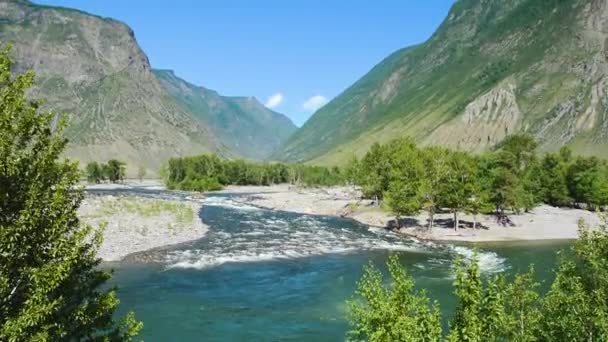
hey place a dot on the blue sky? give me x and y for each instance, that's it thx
(292, 55)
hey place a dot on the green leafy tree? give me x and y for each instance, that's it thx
(115, 170)
(505, 185)
(353, 171)
(577, 301)
(587, 181)
(393, 313)
(523, 308)
(554, 186)
(459, 190)
(493, 311)
(94, 172)
(403, 195)
(50, 283)
(141, 173)
(514, 175)
(375, 171)
(574, 309)
(523, 149)
(478, 202)
(466, 325)
(435, 162)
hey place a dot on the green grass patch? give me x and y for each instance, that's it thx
(148, 208)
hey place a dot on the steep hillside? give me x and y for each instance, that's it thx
(93, 69)
(243, 124)
(492, 68)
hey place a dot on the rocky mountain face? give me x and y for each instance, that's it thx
(243, 124)
(492, 68)
(93, 69)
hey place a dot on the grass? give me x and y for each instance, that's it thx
(182, 212)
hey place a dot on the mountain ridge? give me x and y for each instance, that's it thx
(543, 59)
(93, 68)
(243, 123)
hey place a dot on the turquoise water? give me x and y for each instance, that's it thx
(266, 276)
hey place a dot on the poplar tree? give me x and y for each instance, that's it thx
(50, 283)
(392, 313)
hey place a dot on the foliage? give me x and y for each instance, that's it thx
(459, 190)
(578, 294)
(466, 325)
(208, 172)
(404, 192)
(395, 313)
(494, 309)
(375, 171)
(114, 171)
(141, 173)
(94, 172)
(50, 284)
(510, 179)
(587, 181)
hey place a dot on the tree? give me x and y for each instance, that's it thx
(467, 325)
(50, 285)
(141, 173)
(94, 172)
(522, 308)
(403, 195)
(587, 181)
(375, 171)
(553, 180)
(505, 185)
(395, 313)
(459, 188)
(574, 309)
(514, 174)
(115, 170)
(522, 147)
(577, 298)
(353, 171)
(436, 170)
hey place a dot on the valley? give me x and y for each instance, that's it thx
(457, 191)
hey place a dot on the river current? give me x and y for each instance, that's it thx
(263, 275)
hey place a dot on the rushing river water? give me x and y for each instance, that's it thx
(262, 275)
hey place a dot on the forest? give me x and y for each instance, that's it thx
(406, 178)
(512, 178)
(209, 172)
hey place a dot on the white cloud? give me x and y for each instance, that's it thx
(274, 100)
(314, 103)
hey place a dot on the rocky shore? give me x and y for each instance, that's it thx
(134, 224)
(542, 223)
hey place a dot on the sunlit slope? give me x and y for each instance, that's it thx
(492, 68)
(243, 124)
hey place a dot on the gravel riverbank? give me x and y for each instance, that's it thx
(542, 223)
(134, 224)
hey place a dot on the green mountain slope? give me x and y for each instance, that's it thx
(243, 124)
(492, 68)
(93, 69)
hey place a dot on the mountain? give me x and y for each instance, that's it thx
(243, 124)
(492, 68)
(93, 69)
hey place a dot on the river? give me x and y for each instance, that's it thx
(262, 275)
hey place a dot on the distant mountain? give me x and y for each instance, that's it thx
(93, 69)
(493, 67)
(243, 124)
